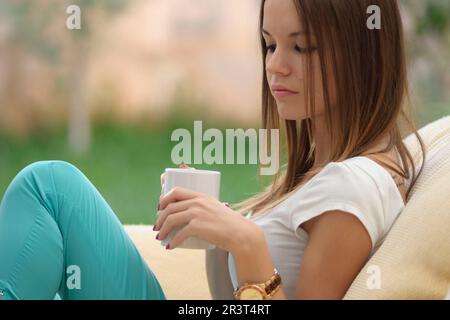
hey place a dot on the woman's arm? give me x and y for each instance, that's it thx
(218, 275)
(253, 261)
(337, 250)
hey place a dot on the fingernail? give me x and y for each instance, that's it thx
(168, 246)
(157, 236)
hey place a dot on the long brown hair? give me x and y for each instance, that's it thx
(369, 68)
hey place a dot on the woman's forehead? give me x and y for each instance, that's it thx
(281, 17)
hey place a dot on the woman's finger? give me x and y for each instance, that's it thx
(174, 208)
(182, 234)
(175, 221)
(177, 194)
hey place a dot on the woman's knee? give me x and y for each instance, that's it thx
(51, 171)
(49, 167)
(49, 181)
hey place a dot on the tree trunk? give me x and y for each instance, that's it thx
(79, 130)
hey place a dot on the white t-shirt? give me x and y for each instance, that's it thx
(356, 185)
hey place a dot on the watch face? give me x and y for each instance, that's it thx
(251, 294)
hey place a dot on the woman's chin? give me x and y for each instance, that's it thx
(286, 115)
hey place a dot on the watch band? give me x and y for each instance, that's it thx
(270, 287)
(273, 283)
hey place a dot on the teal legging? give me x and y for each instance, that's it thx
(58, 236)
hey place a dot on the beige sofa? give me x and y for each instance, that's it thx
(412, 263)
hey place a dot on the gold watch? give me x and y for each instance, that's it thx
(260, 291)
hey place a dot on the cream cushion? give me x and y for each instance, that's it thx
(413, 262)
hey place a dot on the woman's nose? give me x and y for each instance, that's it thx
(277, 64)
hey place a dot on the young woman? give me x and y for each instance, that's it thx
(337, 88)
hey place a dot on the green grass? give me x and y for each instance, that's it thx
(125, 163)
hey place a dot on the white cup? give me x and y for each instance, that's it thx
(204, 181)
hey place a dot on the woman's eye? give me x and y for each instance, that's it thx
(271, 48)
(301, 50)
(297, 48)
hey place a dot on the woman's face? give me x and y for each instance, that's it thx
(286, 60)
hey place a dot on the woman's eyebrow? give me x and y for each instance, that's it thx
(293, 34)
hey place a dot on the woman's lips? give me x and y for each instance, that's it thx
(283, 93)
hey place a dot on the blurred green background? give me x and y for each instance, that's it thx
(124, 163)
(108, 96)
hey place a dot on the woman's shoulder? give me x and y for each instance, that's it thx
(364, 166)
(357, 180)
(347, 179)
(352, 168)
(358, 186)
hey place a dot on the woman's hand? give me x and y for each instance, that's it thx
(202, 216)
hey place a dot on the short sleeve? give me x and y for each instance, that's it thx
(341, 186)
